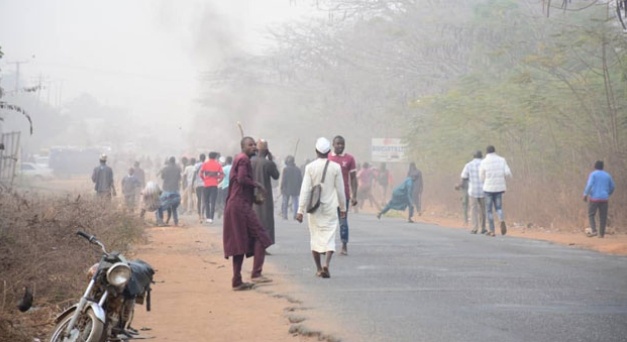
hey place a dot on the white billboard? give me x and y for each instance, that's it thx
(388, 150)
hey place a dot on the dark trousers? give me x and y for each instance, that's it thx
(238, 261)
(592, 211)
(199, 196)
(210, 195)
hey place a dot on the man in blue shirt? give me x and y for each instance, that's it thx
(597, 193)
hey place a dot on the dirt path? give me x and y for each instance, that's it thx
(193, 301)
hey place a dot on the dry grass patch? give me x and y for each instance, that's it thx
(39, 249)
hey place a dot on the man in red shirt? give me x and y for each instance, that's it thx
(211, 174)
(349, 171)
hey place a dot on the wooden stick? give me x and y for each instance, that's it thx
(296, 148)
(241, 130)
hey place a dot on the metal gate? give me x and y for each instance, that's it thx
(9, 153)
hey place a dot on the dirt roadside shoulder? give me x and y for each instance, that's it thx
(612, 243)
(192, 299)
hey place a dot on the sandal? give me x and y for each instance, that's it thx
(244, 287)
(325, 273)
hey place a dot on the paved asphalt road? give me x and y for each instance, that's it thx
(419, 282)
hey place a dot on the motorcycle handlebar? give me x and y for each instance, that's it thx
(88, 237)
(92, 239)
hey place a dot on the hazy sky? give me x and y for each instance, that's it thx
(144, 55)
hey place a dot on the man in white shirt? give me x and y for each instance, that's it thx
(492, 171)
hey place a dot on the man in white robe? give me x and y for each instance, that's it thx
(324, 222)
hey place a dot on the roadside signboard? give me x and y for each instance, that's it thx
(388, 150)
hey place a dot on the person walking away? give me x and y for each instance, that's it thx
(402, 198)
(189, 193)
(324, 221)
(184, 185)
(383, 178)
(223, 187)
(597, 193)
(291, 181)
(103, 180)
(199, 187)
(243, 235)
(130, 187)
(462, 187)
(470, 176)
(211, 174)
(492, 171)
(140, 174)
(264, 171)
(171, 176)
(349, 177)
(365, 180)
(418, 186)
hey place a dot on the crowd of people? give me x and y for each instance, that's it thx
(240, 189)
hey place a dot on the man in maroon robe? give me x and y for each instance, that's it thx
(243, 234)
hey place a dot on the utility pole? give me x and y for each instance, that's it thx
(17, 73)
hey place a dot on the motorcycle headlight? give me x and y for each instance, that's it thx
(119, 274)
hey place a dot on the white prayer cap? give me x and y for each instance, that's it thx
(323, 145)
(222, 159)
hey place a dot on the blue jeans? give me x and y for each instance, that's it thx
(494, 199)
(344, 223)
(175, 213)
(169, 201)
(285, 204)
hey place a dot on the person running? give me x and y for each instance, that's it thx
(403, 198)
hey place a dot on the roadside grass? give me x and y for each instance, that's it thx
(39, 249)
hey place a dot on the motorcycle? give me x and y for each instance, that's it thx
(105, 311)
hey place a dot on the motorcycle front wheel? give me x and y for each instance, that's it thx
(87, 329)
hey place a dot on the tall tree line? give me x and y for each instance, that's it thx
(549, 93)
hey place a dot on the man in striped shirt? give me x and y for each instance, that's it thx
(475, 192)
(492, 171)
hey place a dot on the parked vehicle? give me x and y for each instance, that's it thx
(35, 171)
(105, 311)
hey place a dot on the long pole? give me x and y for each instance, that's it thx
(17, 74)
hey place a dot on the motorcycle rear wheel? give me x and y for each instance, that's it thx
(87, 329)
